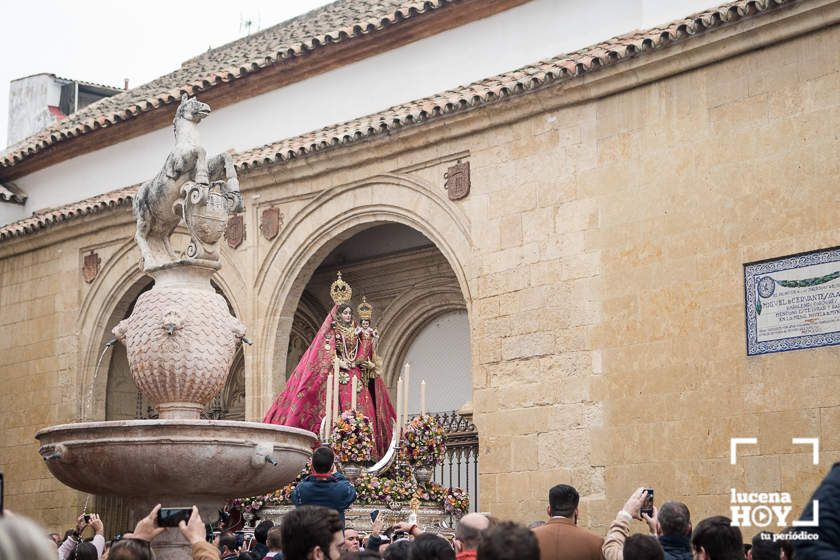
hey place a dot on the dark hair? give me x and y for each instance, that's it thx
(643, 547)
(674, 519)
(563, 500)
(398, 550)
(509, 541)
(429, 546)
(306, 527)
(718, 538)
(786, 545)
(340, 309)
(84, 551)
(227, 539)
(469, 536)
(130, 549)
(275, 538)
(322, 459)
(261, 530)
(764, 547)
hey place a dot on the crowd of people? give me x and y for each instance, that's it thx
(315, 530)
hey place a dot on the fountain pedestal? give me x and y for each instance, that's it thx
(180, 341)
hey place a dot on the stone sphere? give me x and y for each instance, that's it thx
(180, 343)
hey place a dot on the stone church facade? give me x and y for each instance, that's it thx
(614, 196)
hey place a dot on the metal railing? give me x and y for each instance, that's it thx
(460, 466)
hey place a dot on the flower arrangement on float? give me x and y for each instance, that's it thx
(352, 438)
(424, 441)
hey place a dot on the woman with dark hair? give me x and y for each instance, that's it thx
(84, 551)
(72, 549)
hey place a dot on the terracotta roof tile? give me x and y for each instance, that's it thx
(483, 92)
(333, 23)
(10, 193)
(490, 90)
(47, 218)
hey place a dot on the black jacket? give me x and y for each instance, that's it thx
(676, 548)
(827, 545)
(260, 549)
(332, 491)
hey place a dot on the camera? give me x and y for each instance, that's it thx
(647, 505)
(170, 517)
(87, 518)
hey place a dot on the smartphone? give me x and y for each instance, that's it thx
(87, 518)
(373, 515)
(647, 505)
(1, 493)
(170, 517)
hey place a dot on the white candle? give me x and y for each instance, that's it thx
(336, 394)
(353, 393)
(423, 397)
(399, 402)
(406, 389)
(328, 408)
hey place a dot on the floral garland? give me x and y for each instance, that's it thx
(250, 505)
(424, 441)
(352, 438)
(371, 489)
(377, 490)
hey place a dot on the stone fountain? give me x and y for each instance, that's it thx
(181, 340)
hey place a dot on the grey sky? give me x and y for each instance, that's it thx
(105, 42)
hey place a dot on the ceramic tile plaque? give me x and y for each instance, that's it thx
(793, 302)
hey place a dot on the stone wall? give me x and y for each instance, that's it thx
(600, 257)
(38, 313)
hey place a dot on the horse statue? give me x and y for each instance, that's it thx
(188, 187)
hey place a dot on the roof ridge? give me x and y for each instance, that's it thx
(332, 23)
(480, 93)
(500, 86)
(267, 30)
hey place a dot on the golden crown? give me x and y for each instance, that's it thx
(364, 310)
(340, 291)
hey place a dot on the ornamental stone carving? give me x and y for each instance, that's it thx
(201, 190)
(181, 342)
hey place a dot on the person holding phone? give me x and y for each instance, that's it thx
(68, 547)
(137, 545)
(638, 506)
(325, 487)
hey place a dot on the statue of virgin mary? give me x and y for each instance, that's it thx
(302, 403)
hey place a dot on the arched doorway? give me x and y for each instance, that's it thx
(410, 285)
(422, 317)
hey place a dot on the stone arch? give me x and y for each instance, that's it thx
(333, 216)
(406, 316)
(116, 287)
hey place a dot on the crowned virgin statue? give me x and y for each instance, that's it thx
(302, 402)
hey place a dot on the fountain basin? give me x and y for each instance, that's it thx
(171, 459)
